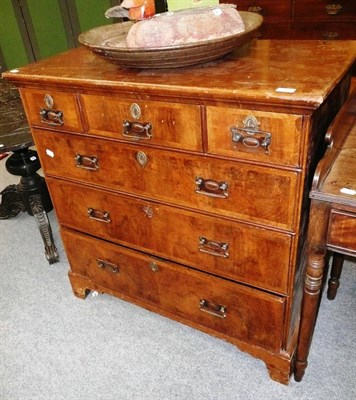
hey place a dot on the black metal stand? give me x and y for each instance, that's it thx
(30, 195)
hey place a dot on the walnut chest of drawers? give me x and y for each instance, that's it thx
(185, 190)
(303, 19)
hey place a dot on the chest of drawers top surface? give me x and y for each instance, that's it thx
(300, 73)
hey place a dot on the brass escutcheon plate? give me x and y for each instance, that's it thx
(135, 111)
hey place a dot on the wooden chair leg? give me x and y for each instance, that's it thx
(334, 281)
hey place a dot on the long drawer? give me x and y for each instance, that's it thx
(231, 309)
(258, 257)
(238, 190)
(276, 9)
(336, 11)
(325, 30)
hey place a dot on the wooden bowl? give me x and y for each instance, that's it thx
(98, 41)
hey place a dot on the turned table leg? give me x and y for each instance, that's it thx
(313, 282)
(334, 281)
(312, 289)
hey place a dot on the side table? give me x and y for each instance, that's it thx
(31, 194)
(332, 223)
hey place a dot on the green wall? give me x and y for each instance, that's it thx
(91, 13)
(11, 44)
(48, 27)
(35, 29)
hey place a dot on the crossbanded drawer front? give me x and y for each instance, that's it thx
(276, 9)
(238, 190)
(254, 135)
(342, 231)
(337, 11)
(325, 30)
(52, 110)
(160, 123)
(231, 309)
(257, 257)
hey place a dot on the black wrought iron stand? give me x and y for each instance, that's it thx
(30, 194)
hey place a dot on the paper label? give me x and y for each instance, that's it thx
(285, 90)
(49, 153)
(351, 192)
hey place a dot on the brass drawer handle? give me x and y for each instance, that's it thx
(219, 249)
(211, 188)
(255, 9)
(137, 130)
(98, 215)
(216, 310)
(104, 264)
(333, 9)
(249, 135)
(330, 35)
(86, 162)
(51, 117)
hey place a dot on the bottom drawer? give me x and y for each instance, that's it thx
(184, 294)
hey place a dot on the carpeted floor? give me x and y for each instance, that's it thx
(54, 346)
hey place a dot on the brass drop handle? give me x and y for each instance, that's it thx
(51, 117)
(137, 130)
(86, 162)
(98, 215)
(48, 115)
(255, 9)
(333, 9)
(250, 135)
(104, 264)
(211, 188)
(219, 249)
(214, 309)
(330, 35)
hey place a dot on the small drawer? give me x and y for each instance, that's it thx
(52, 110)
(236, 190)
(253, 135)
(342, 231)
(333, 10)
(218, 305)
(276, 9)
(144, 122)
(255, 256)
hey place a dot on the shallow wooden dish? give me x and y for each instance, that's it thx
(97, 40)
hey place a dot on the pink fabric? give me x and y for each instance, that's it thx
(171, 29)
